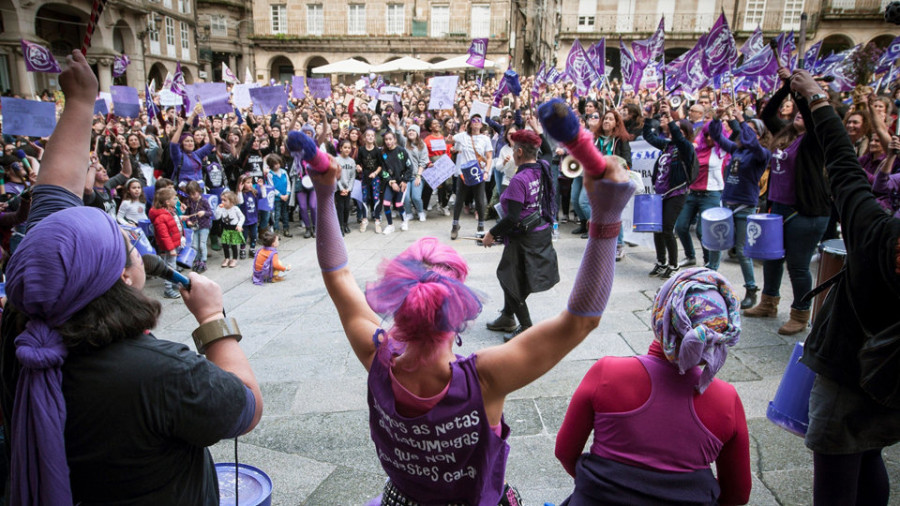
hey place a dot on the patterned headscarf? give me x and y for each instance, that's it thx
(696, 318)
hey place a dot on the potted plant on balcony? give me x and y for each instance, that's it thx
(862, 65)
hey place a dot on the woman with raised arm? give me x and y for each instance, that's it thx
(426, 401)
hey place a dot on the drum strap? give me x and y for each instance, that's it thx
(825, 285)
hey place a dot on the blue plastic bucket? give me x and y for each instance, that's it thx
(254, 487)
(139, 240)
(147, 227)
(266, 200)
(187, 254)
(717, 226)
(765, 237)
(790, 408)
(647, 213)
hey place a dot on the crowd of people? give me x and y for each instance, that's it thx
(241, 182)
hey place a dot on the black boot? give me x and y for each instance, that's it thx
(503, 323)
(749, 298)
(581, 229)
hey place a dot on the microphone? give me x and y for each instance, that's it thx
(155, 266)
(21, 155)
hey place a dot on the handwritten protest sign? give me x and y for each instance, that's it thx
(126, 103)
(28, 117)
(214, 97)
(442, 170)
(169, 99)
(298, 87)
(479, 108)
(266, 99)
(443, 92)
(319, 87)
(240, 95)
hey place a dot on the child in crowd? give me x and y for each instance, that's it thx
(281, 182)
(345, 184)
(266, 266)
(133, 208)
(247, 199)
(167, 230)
(232, 224)
(199, 218)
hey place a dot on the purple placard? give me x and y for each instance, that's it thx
(266, 99)
(126, 103)
(28, 117)
(319, 87)
(298, 85)
(214, 97)
(100, 107)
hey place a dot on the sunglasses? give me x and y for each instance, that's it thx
(594, 116)
(508, 117)
(475, 120)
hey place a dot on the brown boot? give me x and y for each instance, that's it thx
(767, 307)
(797, 323)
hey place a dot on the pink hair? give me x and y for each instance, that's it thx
(423, 290)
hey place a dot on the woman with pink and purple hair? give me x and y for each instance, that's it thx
(436, 418)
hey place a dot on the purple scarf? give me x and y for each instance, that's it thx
(267, 272)
(696, 318)
(63, 263)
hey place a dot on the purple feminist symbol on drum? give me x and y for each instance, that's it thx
(720, 231)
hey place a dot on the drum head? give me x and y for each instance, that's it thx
(307, 182)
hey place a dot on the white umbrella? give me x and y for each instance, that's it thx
(405, 64)
(348, 66)
(459, 63)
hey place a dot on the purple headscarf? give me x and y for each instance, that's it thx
(66, 261)
(696, 317)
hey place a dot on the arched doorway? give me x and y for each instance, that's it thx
(882, 41)
(836, 43)
(315, 61)
(123, 43)
(157, 74)
(360, 58)
(63, 27)
(281, 69)
(188, 75)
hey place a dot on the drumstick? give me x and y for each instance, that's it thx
(801, 47)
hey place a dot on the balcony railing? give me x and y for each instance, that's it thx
(854, 7)
(377, 26)
(610, 24)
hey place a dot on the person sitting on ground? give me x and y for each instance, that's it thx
(416, 382)
(633, 460)
(266, 266)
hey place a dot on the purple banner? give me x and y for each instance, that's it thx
(39, 59)
(120, 65)
(179, 87)
(889, 57)
(477, 53)
(720, 51)
(651, 49)
(632, 70)
(811, 56)
(319, 87)
(126, 103)
(785, 44)
(693, 75)
(298, 87)
(754, 44)
(763, 65)
(149, 104)
(28, 117)
(214, 97)
(597, 56)
(266, 99)
(580, 70)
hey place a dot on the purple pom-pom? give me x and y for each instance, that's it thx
(301, 145)
(559, 121)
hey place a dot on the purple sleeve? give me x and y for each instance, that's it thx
(48, 199)
(246, 417)
(886, 183)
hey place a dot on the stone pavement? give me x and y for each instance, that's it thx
(313, 438)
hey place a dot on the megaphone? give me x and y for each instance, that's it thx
(676, 101)
(570, 167)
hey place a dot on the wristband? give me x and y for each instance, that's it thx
(604, 230)
(817, 102)
(212, 331)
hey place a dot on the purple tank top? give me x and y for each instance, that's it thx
(449, 454)
(781, 175)
(665, 433)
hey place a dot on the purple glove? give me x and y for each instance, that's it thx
(560, 123)
(304, 147)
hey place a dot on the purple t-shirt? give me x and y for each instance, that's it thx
(249, 209)
(781, 174)
(667, 159)
(525, 187)
(449, 454)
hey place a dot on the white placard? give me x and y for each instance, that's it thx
(479, 108)
(240, 95)
(438, 145)
(442, 170)
(167, 98)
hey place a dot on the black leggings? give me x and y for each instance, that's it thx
(665, 240)
(846, 480)
(463, 191)
(230, 250)
(512, 307)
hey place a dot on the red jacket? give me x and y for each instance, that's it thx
(165, 228)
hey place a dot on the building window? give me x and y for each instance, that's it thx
(315, 19)
(185, 40)
(152, 29)
(279, 18)
(440, 20)
(167, 4)
(170, 36)
(755, 12)
(792, 11)
(587, 15)
(356, 22)
(395, 19)
(481, 21)
(218, 27)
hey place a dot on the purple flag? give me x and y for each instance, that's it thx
(785, 44)
(812, 54)
(319, 87)
(298, 87)
(823, 64)
(120, 64)
(693, 75)
(720, 51)
(651, 49)
(762, 64)
(632, 70)
(538, 81)
(149, 104)
(477, 52)
(841, 70)
(597, 56)
(179, 87)
(754, 44)
(580, 70)
(38, 59)
(553, 75)
(126, 103)
(890, 55)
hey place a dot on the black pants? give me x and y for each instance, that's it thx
(855, 479)
(463, 192)
(342, 205)
(230, 250)
(665, 241)
(511, 306)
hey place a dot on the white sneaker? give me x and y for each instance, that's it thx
(430, 206)
(422, 216)
(377, 226)
(405, 225)
(388, 229)
(446, 211)
(364, 225)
